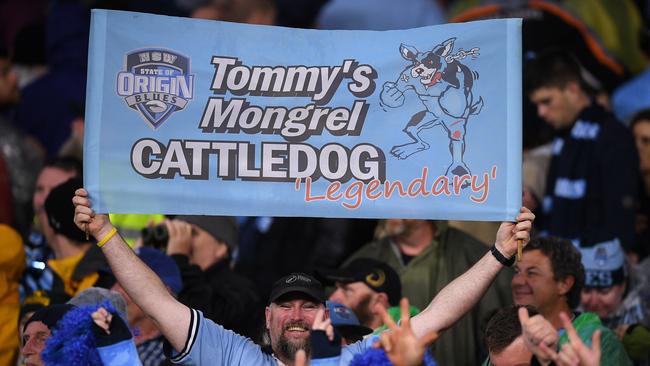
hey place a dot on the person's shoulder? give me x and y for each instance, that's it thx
(465, 242)
(210, 341)
(237, 282)
(372, 249)
(349, 351)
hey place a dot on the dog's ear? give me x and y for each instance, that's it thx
(445, 48)
(408, 52)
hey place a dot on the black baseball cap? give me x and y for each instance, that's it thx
(299, 283)
(49, 315)
(60, 210)
(379, 276)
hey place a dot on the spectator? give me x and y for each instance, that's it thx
(582, 202)
(149, 340)
(271, 247)
(504, 340)
(6, 197)
(37, 275)
(640, 127)
(400, 346)
(77, 263)
(20, 154)
(202, 246)
(550, 277)
(362, 284)
(38, 329)
(615, 296)
(47, 106)
(633, 97)
(346, 323)
(12, 261)
(292, 305)
(428, 255)
(90, 335)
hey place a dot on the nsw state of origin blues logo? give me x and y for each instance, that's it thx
(156, 83)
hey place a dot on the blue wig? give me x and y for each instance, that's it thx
(377, 357)
(72, 342)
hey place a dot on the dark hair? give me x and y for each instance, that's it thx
(643, 115)
(67, 164)
(552, 68)
(504, 327)
(565, 260)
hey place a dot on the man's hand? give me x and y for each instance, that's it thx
(180, 237)
(103, 319)
(320, 323)
(539, 336)
(301, 358)
(401, 345)
(510, 232)
(575, 352)
(85, 218)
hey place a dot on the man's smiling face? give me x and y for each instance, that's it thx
(289, 321)
(534, 282)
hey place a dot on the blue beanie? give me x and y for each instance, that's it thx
(604, 264)
(163, 265)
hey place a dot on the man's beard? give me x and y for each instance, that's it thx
(287, 349)
(363, 312)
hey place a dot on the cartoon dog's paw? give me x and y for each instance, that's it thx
(391, 96)
(406, 150)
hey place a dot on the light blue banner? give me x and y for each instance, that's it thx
(189, 116)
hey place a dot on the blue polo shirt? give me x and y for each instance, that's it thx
(211, 344)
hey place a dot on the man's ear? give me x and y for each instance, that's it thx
(382, 298)
(566, 284)
(267, 316)
(220, 250)
(572, 87)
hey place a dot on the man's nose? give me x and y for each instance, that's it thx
(542, 111)
(296, 313)
(27, 349)
(518, 279)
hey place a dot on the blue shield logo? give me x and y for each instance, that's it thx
(156, 83)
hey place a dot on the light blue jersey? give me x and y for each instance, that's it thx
(211, 344)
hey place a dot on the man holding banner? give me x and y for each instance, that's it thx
(200, 341)
(317, 123)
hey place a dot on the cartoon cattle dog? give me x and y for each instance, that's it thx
(444, 86)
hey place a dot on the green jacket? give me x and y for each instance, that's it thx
(396, 314)
(611, 349)
(450, 254)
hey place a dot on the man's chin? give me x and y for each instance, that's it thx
(523, 299)
(296, 338)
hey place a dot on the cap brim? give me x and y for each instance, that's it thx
(314, 295)
(332, 276)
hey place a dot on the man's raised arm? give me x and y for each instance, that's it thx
(461, 294)
(137, 279)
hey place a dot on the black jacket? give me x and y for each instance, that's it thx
(223, 296)
(591, 188)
